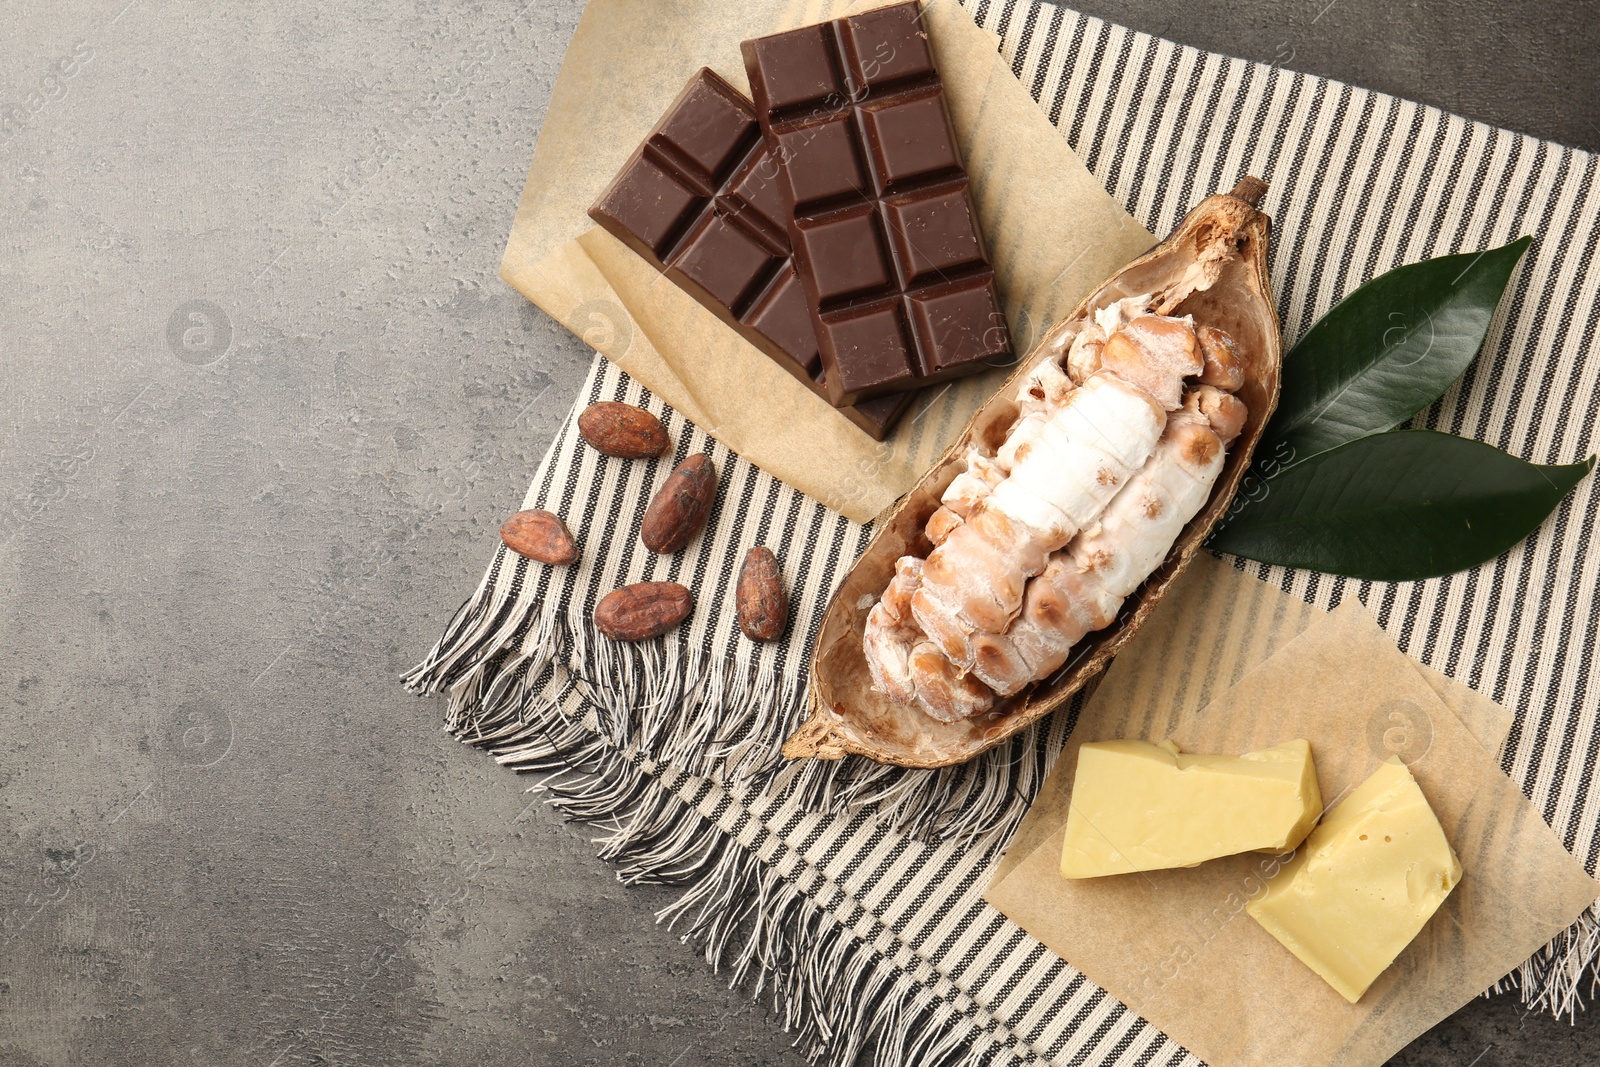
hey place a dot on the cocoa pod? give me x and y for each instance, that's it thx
(622, 430)
(541, 536)
(681, 506)
(760, 602)
(643, 610)
(1214, 265)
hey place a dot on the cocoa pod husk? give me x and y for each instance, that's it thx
(1213, 267)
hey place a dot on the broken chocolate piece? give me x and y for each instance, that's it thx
(879, 207)
(699, 200)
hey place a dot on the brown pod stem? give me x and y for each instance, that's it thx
(1250, 189)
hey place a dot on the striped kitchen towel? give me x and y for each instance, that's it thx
(850, 893)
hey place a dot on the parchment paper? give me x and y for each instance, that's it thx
(1230, 664)
(1053, 234)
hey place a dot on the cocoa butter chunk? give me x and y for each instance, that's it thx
(1138, 806)
(681, 506)
(643, 610)
(622, 430)
(541, 536)
(760, 601)
(1364, 884)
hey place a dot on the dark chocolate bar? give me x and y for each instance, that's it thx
(880, 215)
(700, 201)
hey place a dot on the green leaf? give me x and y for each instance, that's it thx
(1394, 507)
(1387, 351)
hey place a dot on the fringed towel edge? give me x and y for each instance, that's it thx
(762, 923)
(724, 718)
(1553, 978)
(510, 680)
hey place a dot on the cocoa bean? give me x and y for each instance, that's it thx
(681, 506)
(643, 610)
(622, 430)
(541, 536)
(760, 602)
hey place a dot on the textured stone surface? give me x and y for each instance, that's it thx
(264, 405)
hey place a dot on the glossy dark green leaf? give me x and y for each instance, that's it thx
(1394, 507)
(1387, 351)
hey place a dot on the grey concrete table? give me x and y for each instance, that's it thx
(264, 402)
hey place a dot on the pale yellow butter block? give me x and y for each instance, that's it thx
(1366, 882)
(1138, 806)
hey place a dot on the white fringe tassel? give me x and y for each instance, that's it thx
(1560, 977)
(841, 998)
(722, 719)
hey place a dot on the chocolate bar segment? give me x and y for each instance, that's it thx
(879, 207)
(700, 201)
